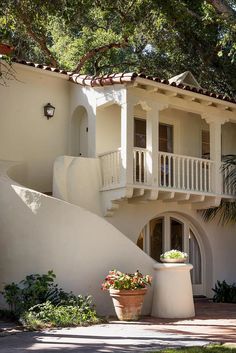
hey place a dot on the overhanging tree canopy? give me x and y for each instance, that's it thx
(163, 37)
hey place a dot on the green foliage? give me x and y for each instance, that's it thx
(212, 348)
(174, 254)
(77, 312)
(224, 293)
(164, 37)
(226, 211)
(34, 289)
(37, 302)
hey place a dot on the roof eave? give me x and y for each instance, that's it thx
(184, 92)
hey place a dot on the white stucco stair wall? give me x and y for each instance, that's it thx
(39, 233)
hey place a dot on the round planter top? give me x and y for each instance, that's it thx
(127, 292)
(173, 260)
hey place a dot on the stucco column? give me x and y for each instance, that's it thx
(172, 293)
(127, 140)
(153, 115)
(215, 152)
(216, 155)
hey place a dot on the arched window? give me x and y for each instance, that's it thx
(173, 232)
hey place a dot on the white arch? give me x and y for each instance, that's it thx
(79, 132)
(205, 250)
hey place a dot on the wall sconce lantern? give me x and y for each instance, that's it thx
(49, 110)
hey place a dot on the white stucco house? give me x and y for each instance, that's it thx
(130, 159)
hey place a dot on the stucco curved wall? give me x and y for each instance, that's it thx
(77, 180)
(39, 233)
(219, 242)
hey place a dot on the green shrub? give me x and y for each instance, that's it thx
(37, 302)
(224, 293)
(34, 289)
(49, 315)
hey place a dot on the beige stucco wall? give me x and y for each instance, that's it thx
(77, 180)
(228, 138)
(108, 129)
(25, 134)
(39, 233)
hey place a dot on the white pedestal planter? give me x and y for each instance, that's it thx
(172, 295)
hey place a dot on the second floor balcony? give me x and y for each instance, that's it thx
(163, 152)
(173, 172)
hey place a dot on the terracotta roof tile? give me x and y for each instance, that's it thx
(120, 78)
(105, 80)
(95, 81)
(40, 66)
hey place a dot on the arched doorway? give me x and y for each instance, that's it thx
(79, 132)
(171, 231)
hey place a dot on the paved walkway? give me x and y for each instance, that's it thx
(213, 323)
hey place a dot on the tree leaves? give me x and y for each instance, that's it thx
(183, 35)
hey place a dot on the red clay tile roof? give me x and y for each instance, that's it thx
(40, 66)
(94, 81)
(105, 80)
(111, 79)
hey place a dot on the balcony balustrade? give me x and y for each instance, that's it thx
(174, 172)
(184, 173)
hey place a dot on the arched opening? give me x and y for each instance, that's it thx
(79, 132)
(171, 231)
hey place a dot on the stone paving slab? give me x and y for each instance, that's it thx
(214, 323)
(9, 328)
(113, 337)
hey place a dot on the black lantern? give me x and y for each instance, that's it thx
(49, 110)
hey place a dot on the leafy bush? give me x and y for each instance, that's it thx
(34, 289)
(49, 315)
(224, 293)
(38, 302)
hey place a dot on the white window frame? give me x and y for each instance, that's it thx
(198, 289)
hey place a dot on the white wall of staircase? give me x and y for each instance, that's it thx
(41, 233)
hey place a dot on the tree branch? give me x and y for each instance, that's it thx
(128, 63)
(192, 13)
(91, 53)
(40, 41)
(223, 8)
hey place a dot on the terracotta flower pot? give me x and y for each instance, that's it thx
(128, 303)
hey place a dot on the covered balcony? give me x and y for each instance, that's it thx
(162, 151)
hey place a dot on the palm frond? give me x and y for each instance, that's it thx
(229, 171)
(226, 211)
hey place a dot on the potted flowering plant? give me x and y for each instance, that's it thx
(174, 256)
(127, 292)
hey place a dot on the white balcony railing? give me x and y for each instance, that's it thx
(110, 169)
(184, 172)
(140, 170)
(176, 172)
